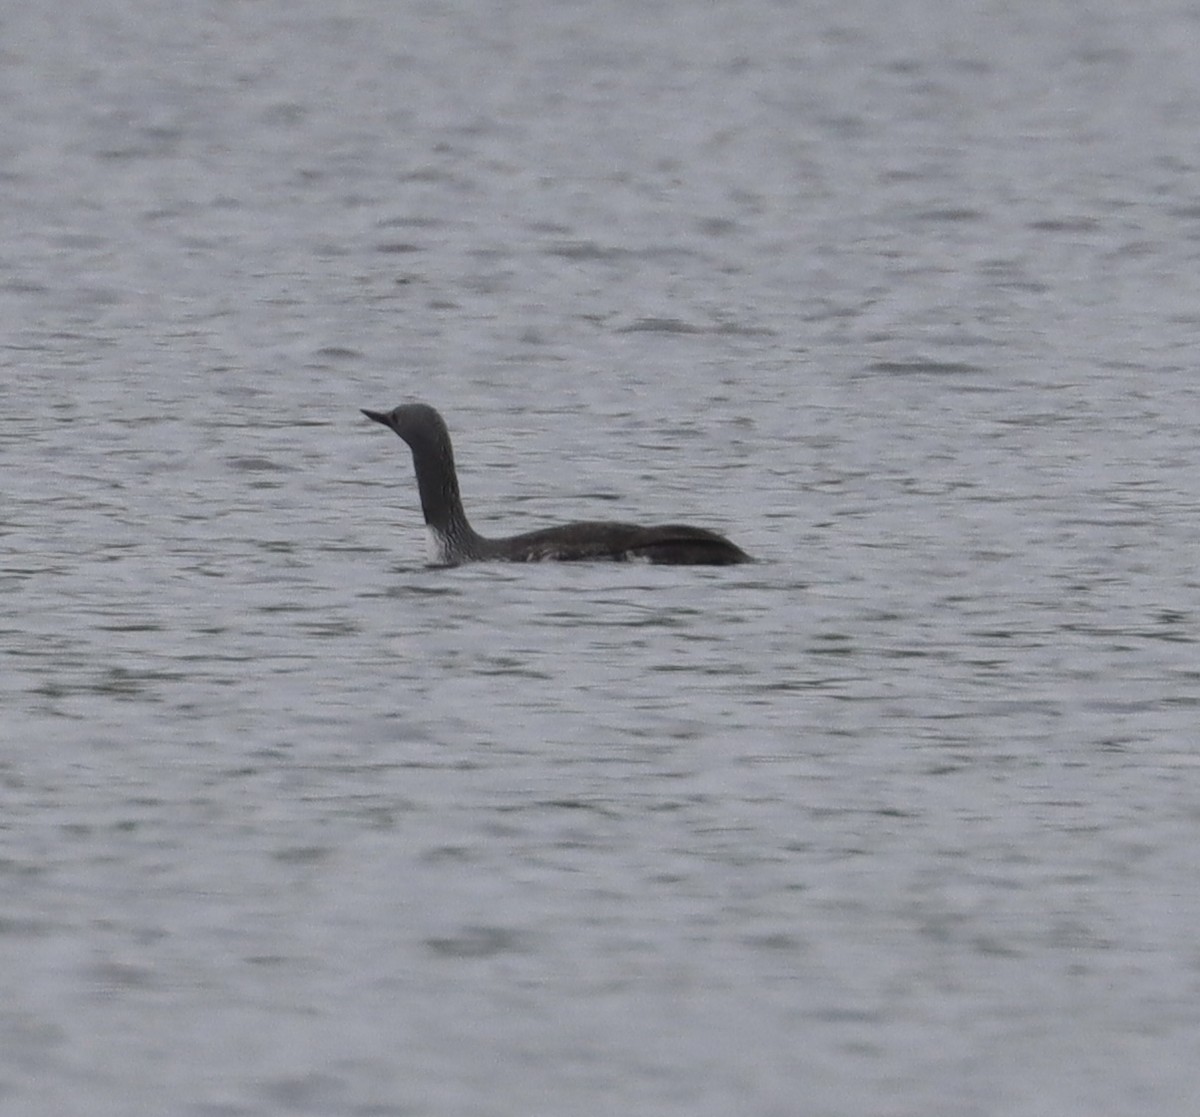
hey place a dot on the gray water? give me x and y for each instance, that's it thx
(900, 820)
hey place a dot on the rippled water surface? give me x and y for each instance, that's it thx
(900, 820)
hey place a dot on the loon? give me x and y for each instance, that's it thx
(454, 541)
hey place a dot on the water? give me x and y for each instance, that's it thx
(900, 820)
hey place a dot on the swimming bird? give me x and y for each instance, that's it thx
(453, 541)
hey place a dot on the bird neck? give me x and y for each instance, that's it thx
(441, 502)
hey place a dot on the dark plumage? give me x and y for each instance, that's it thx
(454, 541)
